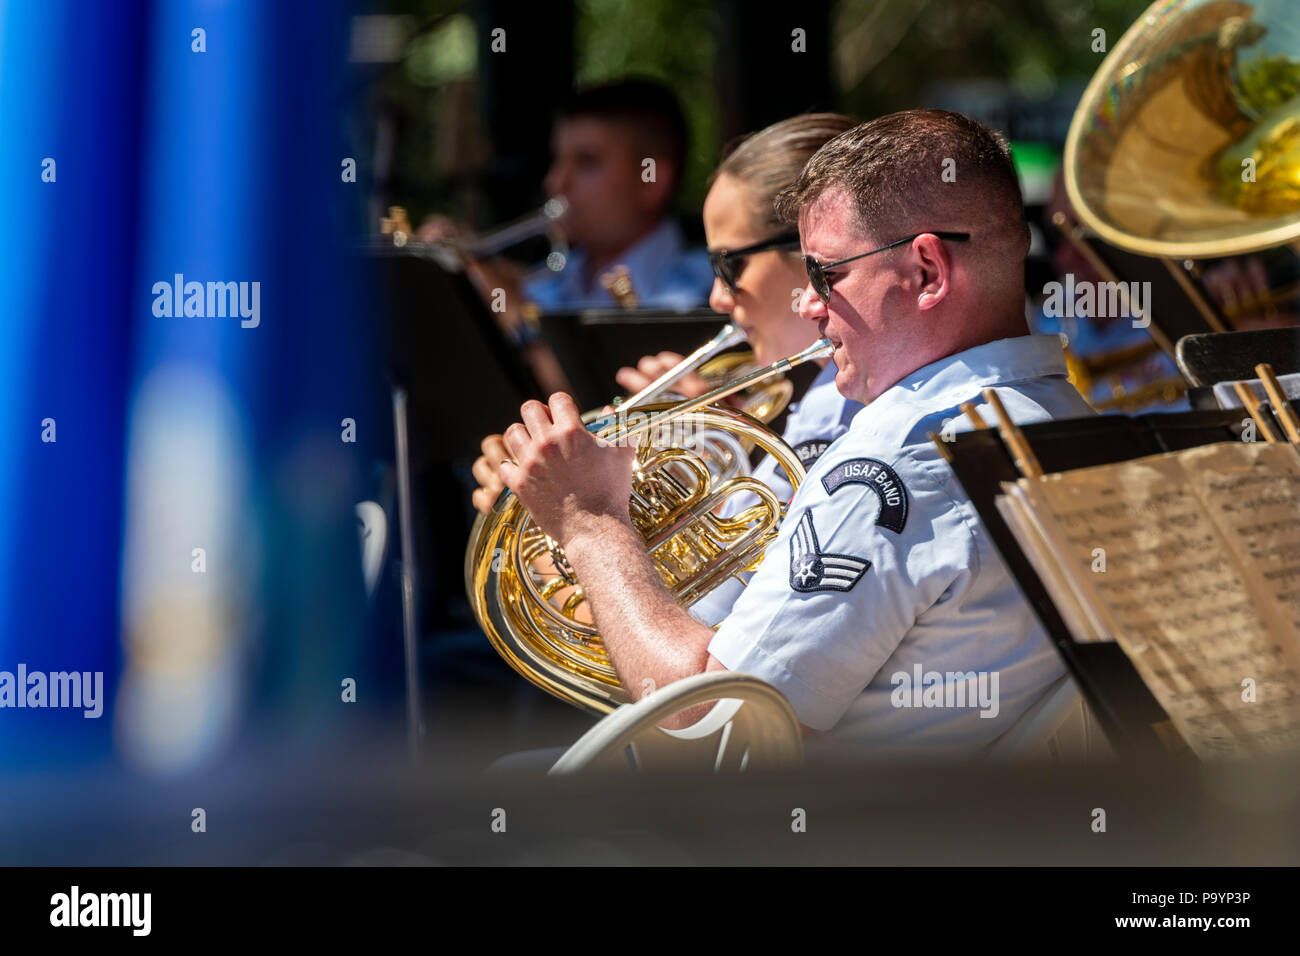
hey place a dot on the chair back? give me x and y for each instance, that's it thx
(752, 726)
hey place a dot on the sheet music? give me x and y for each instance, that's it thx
(1024, 524)
(1201, 586)
(1253, 496)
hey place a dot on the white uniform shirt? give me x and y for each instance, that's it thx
(820, 417)
(883, 576)
(665, 274)
(814, 422)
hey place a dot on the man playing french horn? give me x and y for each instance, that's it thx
(914, 239)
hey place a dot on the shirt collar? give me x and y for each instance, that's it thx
(951, 379)
(646, 261)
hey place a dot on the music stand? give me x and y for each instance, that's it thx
(1125, 707)
(445, 350)
(454, 378)
(1232, 356)
(593, 344)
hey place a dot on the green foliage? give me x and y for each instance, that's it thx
(890, 53)
(886, 55)
(673, 41)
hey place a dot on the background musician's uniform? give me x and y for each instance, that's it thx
(883, 566)
(814, 422)
(665, 274)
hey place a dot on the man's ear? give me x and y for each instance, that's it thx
(935, 267)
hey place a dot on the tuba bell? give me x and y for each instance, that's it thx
(1186, 143)
(525, 595)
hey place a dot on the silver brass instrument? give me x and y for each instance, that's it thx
(527, 598)
(448, 252)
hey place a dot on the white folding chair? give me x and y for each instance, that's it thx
(1058, 727)
(752, 726)
(372, 526)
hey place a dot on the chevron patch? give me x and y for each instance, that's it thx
(811, 570)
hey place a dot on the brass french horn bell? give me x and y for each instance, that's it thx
(531, 605)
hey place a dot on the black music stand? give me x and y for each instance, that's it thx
(592, 345)
(1232, 356)
(445, 350)
(1126, 709)
(454, 379)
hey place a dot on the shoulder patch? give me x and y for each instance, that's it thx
(881, 479)
(811, 570)
(809, 451)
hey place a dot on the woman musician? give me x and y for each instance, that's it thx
(758, 278)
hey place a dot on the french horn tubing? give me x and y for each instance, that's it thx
(530, 603)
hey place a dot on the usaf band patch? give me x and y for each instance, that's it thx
(810, 570)
(881, 479)
(809, 451)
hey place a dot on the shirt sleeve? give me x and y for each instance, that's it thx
(867, 546)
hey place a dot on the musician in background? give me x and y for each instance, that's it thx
(881, 567)
(757, 276)
(618, 155)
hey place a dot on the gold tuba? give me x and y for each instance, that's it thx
(527, 598)
(1186, 143)
(1185, 146)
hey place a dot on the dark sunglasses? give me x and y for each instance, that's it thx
(819, 274)
(728, 264)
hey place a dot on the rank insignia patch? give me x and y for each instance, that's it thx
(811, 570)
(881, 479)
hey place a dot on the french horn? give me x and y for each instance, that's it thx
(763, 400)
(726, 454)
(525, 595)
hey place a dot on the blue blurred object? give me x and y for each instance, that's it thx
(190, 531)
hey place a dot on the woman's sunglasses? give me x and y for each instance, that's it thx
(819, 274)
(728, 264)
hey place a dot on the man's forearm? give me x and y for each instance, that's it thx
(650, 638)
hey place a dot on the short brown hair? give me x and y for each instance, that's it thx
(894, 167)
(649, 109)
(771, 159)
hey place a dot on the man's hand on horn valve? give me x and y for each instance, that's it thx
(570, 481)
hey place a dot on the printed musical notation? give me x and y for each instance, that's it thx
(1191, 561)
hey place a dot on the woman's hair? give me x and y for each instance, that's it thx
(771, 159)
